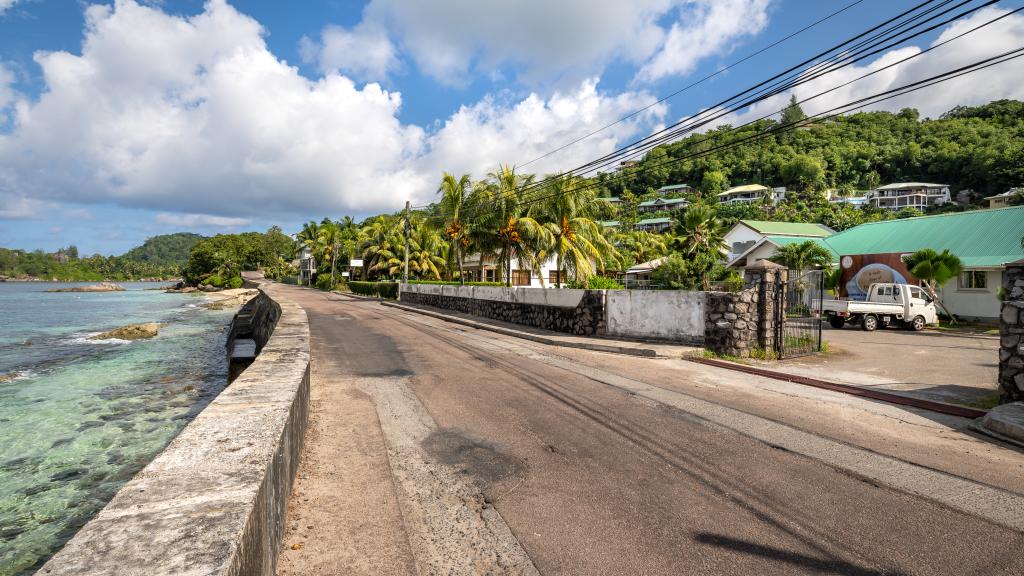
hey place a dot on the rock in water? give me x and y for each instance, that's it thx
(130, 332)
(101, 287)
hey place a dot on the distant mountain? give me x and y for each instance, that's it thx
(165, 250)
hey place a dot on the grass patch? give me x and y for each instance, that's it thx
(987, 403)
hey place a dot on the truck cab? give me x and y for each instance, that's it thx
(887, 305)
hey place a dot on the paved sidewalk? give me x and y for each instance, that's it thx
(597, 344)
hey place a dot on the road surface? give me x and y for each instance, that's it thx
(438, 449)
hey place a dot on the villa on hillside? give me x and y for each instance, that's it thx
(751, 240)
(674, 189)
(662, 205)
(751, 193)
(919, 195)
(1003, 200)
(661, 224)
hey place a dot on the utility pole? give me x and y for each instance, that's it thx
(408, 228)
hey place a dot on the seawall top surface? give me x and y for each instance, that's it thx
(186, 512)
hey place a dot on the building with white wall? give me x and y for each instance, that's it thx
(919, 195)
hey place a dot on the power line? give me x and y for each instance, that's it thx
(693, 84)
(703, 121)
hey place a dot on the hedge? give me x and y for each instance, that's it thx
(387, 290)
(456, 283)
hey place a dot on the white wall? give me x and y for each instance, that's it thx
(740, 233)
(664, 314)
(974, 303)
(522, 294)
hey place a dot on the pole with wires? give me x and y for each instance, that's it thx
(408, 229)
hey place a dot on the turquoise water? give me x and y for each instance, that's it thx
(79, 417)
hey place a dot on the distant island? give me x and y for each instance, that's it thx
(159, 258)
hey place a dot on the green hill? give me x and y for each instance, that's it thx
(164, 250)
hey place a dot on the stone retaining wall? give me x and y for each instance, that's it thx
(579, 312)
(214, 501)
(1011, 337)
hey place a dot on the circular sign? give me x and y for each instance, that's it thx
(847, 261)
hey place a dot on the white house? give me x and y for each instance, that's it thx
(639, 276)
(674, 189)
(745, 235)
(484, 268)
(307, 265)
(919, 195)
(662, 205)
(751, 193)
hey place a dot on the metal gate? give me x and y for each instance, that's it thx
(798, 314)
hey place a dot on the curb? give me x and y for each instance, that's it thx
(629, 351)
(931, 405)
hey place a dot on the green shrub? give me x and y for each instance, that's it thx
(323, 282)
(213, 280)
(234, 282)
(603, 283)
(456, 283)
(377, 289)
(733, 282)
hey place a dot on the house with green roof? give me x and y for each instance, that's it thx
(662, 205)
(984, 240)
(752, 240)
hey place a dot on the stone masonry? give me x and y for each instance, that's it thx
(1011, 336)
(740, 322)
(586, 319)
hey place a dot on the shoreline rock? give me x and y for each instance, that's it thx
(101, 287)
(130, 332)
(231, 298)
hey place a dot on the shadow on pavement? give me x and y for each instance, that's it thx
(822, 566)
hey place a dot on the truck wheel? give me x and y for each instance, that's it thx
(869, 323)
(917, 324)
(836, 321)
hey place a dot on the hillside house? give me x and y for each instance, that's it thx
(751, 240)
(662, 205)
(919, 195)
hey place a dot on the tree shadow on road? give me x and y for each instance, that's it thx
(819, 565)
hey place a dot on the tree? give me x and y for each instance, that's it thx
(793, 112)
(713, 182)
(700, 236)
(453, 197)
(802, 255)
(576, 239)
(934, 269)
(803, 171)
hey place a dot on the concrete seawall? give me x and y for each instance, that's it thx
(214, 501)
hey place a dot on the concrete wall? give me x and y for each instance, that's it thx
(578, 312)
(980, 304)
(214, 501)
(658, 314)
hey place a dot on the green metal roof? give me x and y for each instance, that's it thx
(674, 187)
(789, 228)
(979, 238)
(781, 241)
(611, 199)
(655, 221)
(663, 201)
(609, 223)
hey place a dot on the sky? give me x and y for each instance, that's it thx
(127, 119)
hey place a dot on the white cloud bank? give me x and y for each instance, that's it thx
(1001, 81)
(201, 221)
(5, 4)
(195, 115)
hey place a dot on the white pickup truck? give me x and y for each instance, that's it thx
(887, 304)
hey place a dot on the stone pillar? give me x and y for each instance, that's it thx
(1011, 336)
(769, 282)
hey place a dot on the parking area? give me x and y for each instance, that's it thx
(946, 366)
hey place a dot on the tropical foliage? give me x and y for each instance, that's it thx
(934, 269)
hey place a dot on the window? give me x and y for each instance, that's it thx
(973, 280)
(916, 293)
(553, 277)
(520, 277)
(881, 291)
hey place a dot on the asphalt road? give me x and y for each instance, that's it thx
(450, 451)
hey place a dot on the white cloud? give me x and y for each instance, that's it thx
(195, 116)
(7, 93)
(477, 137)
(363, 52)
(705, 28)
(18, 207)
(1002, 81)
(201, 221)
(449, 39)
(5, 4)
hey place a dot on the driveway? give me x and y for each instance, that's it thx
(950, 367)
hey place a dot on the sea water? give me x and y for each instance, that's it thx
(79, 417)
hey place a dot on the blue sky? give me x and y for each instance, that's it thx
(123, 120)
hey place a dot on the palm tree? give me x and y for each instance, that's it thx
(453, 197)
(425, 251)
(504, 222)
(802, 255)
(699, 231)
(934, 269)
(640, 246)
(577, 240)
(383, 245)
(328, 240)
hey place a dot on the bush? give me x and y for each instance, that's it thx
(387, 290)
(456, 283)
(603, 283)
(323, 282)
(235, 282)
(213, 280)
